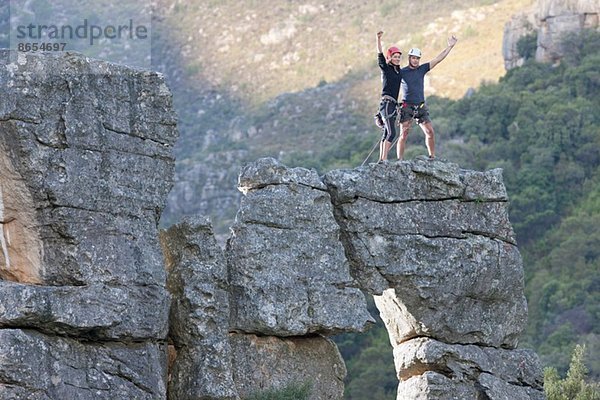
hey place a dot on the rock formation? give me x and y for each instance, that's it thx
(202, 368)
(559, 16)
(93, 304)
(86, 164)
(519, 26)
(549, 20)
(430, 241)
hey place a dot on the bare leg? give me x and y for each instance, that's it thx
(384, 149)
(427, 129)
(404, 129)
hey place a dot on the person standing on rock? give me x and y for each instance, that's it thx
(413, 98)
(391, 76)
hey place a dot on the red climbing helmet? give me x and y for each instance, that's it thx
(391, 51)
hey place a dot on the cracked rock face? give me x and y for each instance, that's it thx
(85, 167)
(197, 280)
(436, 247)
(517, 369)
(432, 242)
(550, 20)
(92, 142)
(288, 273)
(37, 366)
(86, 164)
(212, 363)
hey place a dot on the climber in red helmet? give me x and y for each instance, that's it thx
(391, 76)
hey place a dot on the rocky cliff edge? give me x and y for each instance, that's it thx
(431, 242)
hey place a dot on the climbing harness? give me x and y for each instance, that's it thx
(415, 108)
(379, 119)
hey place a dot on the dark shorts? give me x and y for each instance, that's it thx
(418, 112)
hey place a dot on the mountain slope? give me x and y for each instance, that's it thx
(295, 81)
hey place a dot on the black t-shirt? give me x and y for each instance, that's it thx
(413, 83)
(391, 77)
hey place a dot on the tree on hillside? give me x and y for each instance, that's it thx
(574, 386)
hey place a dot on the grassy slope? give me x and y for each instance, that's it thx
(256, 50)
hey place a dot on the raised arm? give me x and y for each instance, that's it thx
(379, 48)
(451, 42)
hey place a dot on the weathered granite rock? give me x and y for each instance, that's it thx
(287, 268)
(95, 312)
(473, 368)
(92, 143)
(520, 25)
(431, 241)
(85, 167)
(435, 386)
(36, 366)
(415, 180)
(268, 171)
(86, 164)
(266, 363)
(436, 243)
(199, 318)
(551, 20)
(497, 389)
(458, 291)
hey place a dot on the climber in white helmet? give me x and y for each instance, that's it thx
(413, 98)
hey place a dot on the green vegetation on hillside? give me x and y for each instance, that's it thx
(574, 386)
(541, 124)
(370, 363)
(298, 391)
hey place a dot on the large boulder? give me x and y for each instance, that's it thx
(85, 167)
(435, 245)
(288, 271)
(432, 243)
(424, 363)
(267, 363)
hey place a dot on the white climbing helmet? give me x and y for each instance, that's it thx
(414, 52)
